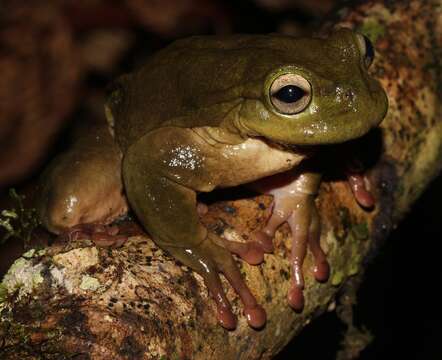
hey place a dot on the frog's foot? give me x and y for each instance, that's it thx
(358, 186)
(210, 259)
(101, 235)
(294, 203)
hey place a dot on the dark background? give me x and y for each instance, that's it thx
(62, 79)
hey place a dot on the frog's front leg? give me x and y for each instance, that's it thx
(162, 172)
(294, 202)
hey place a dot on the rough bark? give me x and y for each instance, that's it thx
(135, 302)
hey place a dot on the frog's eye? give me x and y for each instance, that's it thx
(366, 48)
(290, 93)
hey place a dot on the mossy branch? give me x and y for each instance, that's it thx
(18, 222)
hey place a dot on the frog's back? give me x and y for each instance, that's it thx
(174, 81)
(191, 75)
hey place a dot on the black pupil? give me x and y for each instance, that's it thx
(369, 50)
(289, 94)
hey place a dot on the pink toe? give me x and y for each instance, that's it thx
(256, 316)
(322, 271)
(226, 318)
(296, 298)
(364, 198)
(360, 190)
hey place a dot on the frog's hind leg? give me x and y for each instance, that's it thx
(161, 174)
(81, 192)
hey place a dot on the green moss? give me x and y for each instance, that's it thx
(55, 333)
(360, 231)
(3, 293)
(18, 264)
(344, 216)
(41, 252)
(353, 267)
(337, 277)
(348, 258)
(29, 254)
(18, 222)
(19, 332)
(345, 220)
(357, 233)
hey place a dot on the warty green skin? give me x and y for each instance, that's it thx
(198, 116)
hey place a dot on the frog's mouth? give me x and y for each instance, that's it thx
(306, 150)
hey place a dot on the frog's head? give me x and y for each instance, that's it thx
(319, 92)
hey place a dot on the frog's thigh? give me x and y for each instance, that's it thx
(165, 208)
(82, 185)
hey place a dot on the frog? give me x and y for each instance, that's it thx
(210, 112)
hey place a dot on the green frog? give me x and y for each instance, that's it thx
(211, 112)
